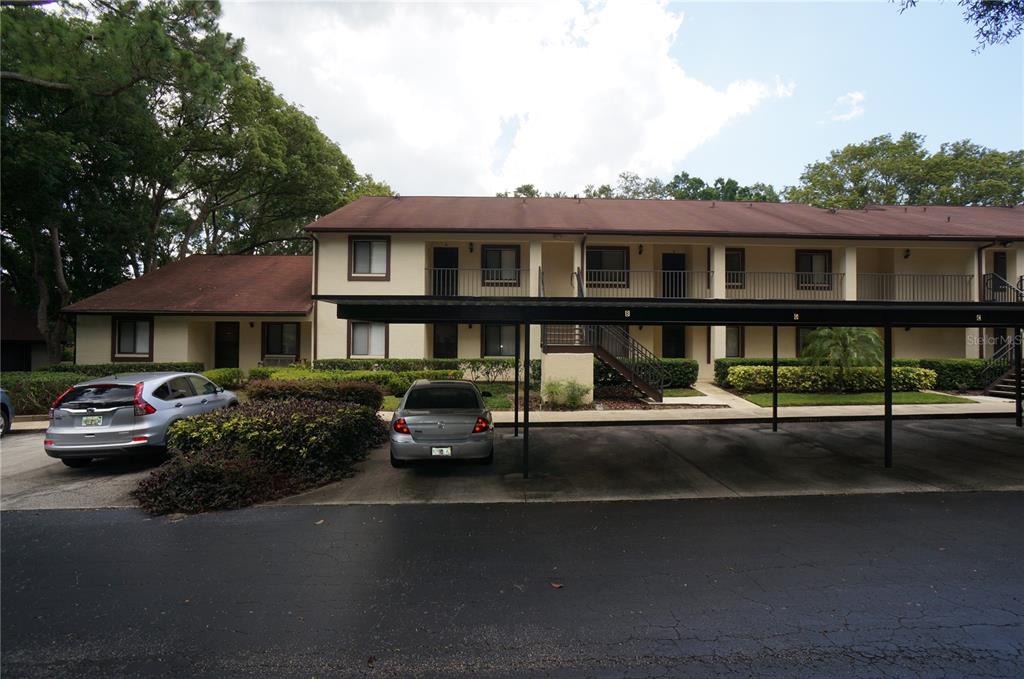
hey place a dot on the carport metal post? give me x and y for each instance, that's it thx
(515, 393)
(1019, 407)
(888, 395)
(775, 378)
(526, 401)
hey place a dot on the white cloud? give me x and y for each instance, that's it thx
(847, 107)
(470, 99)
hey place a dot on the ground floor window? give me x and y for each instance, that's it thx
(281, 339)
(446, 340)
(133, 339)
(499, 340)
(673, 341)
(734, 341)
(368, 339)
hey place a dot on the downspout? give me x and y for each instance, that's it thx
(316, 288)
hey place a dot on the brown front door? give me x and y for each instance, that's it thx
(446, 340)
(225, 345)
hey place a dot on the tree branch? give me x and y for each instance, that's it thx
(250, 248)
(39, 82)
(25, 3)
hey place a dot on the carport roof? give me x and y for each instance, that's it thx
(212, 284)
(452, 214)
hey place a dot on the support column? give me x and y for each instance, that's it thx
(535, 267)
(515, 391)
(850, 274)
(1019, 407)
(974, 346)
(717, 271)
(526, 404)
(775, 378)
(888, 395)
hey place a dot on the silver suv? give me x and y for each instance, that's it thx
(125, 414)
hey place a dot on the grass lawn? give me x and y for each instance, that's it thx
(683, 391)
(867, 399)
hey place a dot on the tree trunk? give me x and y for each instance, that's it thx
(55, 338)
(193, 227)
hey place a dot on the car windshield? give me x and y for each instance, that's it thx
(442, 398)
(100, 396)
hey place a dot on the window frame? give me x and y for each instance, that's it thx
(348, 344)
(624, 283)
(500, 282)
(740, 281)
(117, 357)
(352, 275)
(742, 341)
(265, 325)
(809, 284)
(483, 339)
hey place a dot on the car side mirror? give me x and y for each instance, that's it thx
(220, 390)
(486, 394)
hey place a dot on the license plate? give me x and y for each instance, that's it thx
(442, 451)
(92, 420)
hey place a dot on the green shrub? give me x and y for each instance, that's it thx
(722, 365)
(392, 383)
(32, 393)
(567, 393)
(812, 379)
(958, 373)
(362, 393)
(388, 364)
(229, 378)
(400, 382)
(261, 373)
(102, 369)
(257, 452)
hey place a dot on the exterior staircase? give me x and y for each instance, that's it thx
(614, 347)
(1004, 387)
(1000, 366)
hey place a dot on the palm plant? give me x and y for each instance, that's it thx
(844, 349)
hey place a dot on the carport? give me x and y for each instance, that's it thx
(713, 312)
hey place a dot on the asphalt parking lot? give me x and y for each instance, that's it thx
(610, 463)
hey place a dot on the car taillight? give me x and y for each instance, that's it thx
(57, 401)
(141, 407)
(481, 425)
(400, 426)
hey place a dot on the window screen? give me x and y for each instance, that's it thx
(368, 339)
(733, 341)
(370, 257)
(501, 265)
(133, 337)
(281, 339)
(735, 268)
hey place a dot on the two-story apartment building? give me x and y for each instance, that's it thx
(503, 251)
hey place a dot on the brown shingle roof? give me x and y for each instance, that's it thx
(213, 284)
(670, 217)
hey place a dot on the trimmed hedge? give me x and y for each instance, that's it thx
(32, 393)
(229, 378)
(257, 452)
(392, 383)
(679, 372)
(362, 393)
(476, 369)
(722, 365)
(261, 373)
(812, 379)
(101, 369)
(958, 373)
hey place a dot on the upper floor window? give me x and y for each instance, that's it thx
(133, 339)
(814, 269)
(608, 267)
(500, 264)
(735, 268)
(369, 258)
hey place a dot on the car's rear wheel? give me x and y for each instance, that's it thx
(7, 422)
(487, 460)
(398, 464)
(76, 462)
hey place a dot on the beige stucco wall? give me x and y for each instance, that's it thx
(92, 339)
(565, 367)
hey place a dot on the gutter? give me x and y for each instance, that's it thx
(316, 290)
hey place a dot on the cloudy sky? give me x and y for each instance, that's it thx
(469, 99)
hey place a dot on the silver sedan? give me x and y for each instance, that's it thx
(124, 414)
(442, 420)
